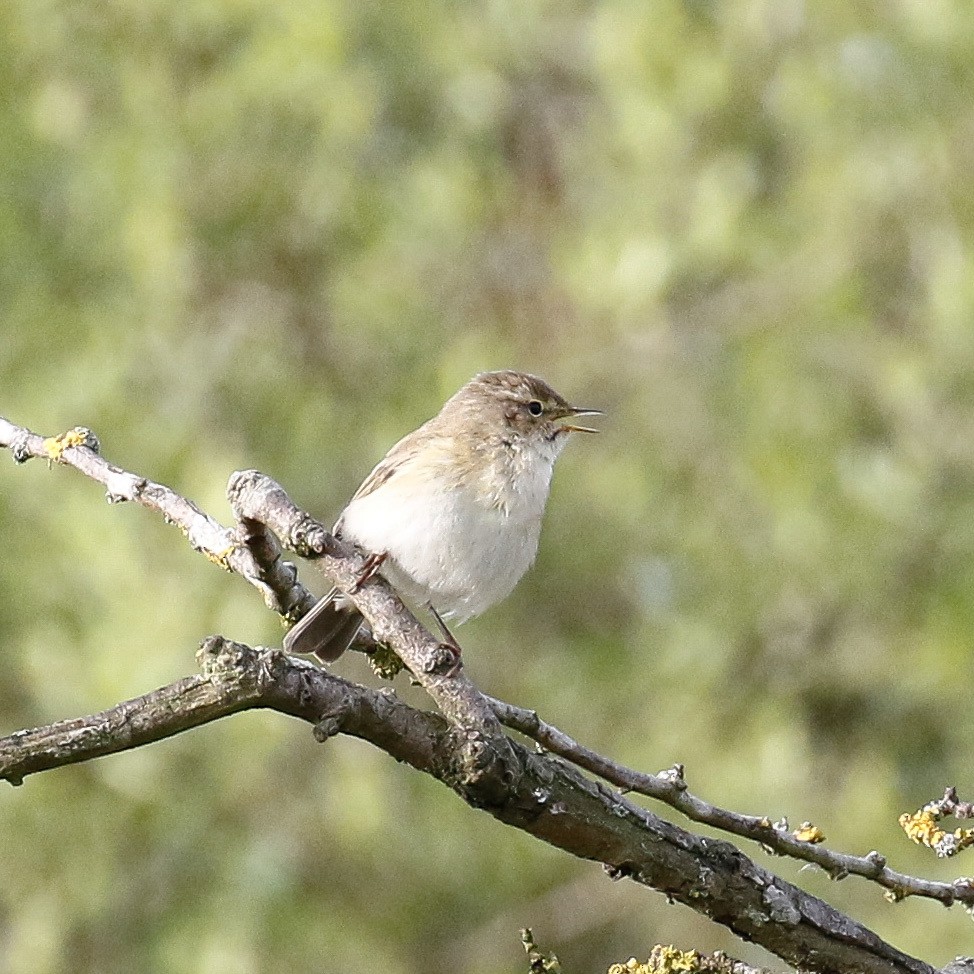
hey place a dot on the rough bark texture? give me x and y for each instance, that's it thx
(465, 748)
(537, 793)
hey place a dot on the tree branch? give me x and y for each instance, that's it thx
(467, 750)
(187, 703)
(252, 553)
(671, 787)
(79, 448)
(547, 798)
(254, 497)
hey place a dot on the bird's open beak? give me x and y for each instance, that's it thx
(581, 411)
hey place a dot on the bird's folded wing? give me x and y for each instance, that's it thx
(327, 630)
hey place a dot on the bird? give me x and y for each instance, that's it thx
(451, 515)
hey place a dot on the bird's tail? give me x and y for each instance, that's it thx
(327, 630)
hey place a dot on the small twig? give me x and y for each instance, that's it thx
(267, 570)
(923, 829)
(538, 961)
(79, 449)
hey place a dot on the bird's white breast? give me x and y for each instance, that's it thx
(461, 545)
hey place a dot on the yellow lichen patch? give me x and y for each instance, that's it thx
(667, 959)
(631, 966)
(54, 446)
(807, 832)
(923, 829)
(221, 557)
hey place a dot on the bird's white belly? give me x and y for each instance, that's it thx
(454, 548)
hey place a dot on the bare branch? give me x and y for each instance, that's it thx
(544, 797)
(79, 449)
(187, 703)
(670, 787)
(255, 497)
(251, 552)
(469, 751)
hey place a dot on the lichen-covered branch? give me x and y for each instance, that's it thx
(670, 787)
(667, 959)
(544, 797)
(254, 497)
(79, 448)
(466, 747)
(923, 826)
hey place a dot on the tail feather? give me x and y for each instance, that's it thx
(327, 630)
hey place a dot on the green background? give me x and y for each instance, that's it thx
(239, 233)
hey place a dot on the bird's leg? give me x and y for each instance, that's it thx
(372, 564)
(448, 636)
(449, 645)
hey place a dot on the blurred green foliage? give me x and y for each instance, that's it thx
(236, 233)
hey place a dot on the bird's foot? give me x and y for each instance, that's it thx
(445, 661)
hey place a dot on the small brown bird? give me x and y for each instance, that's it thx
(453, 511)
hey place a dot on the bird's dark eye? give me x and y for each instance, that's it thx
(535, 408)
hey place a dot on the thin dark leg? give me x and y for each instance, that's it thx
(449, 644)
(372, 564)
(448, 636)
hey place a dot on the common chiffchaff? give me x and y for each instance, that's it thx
(453, 511)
